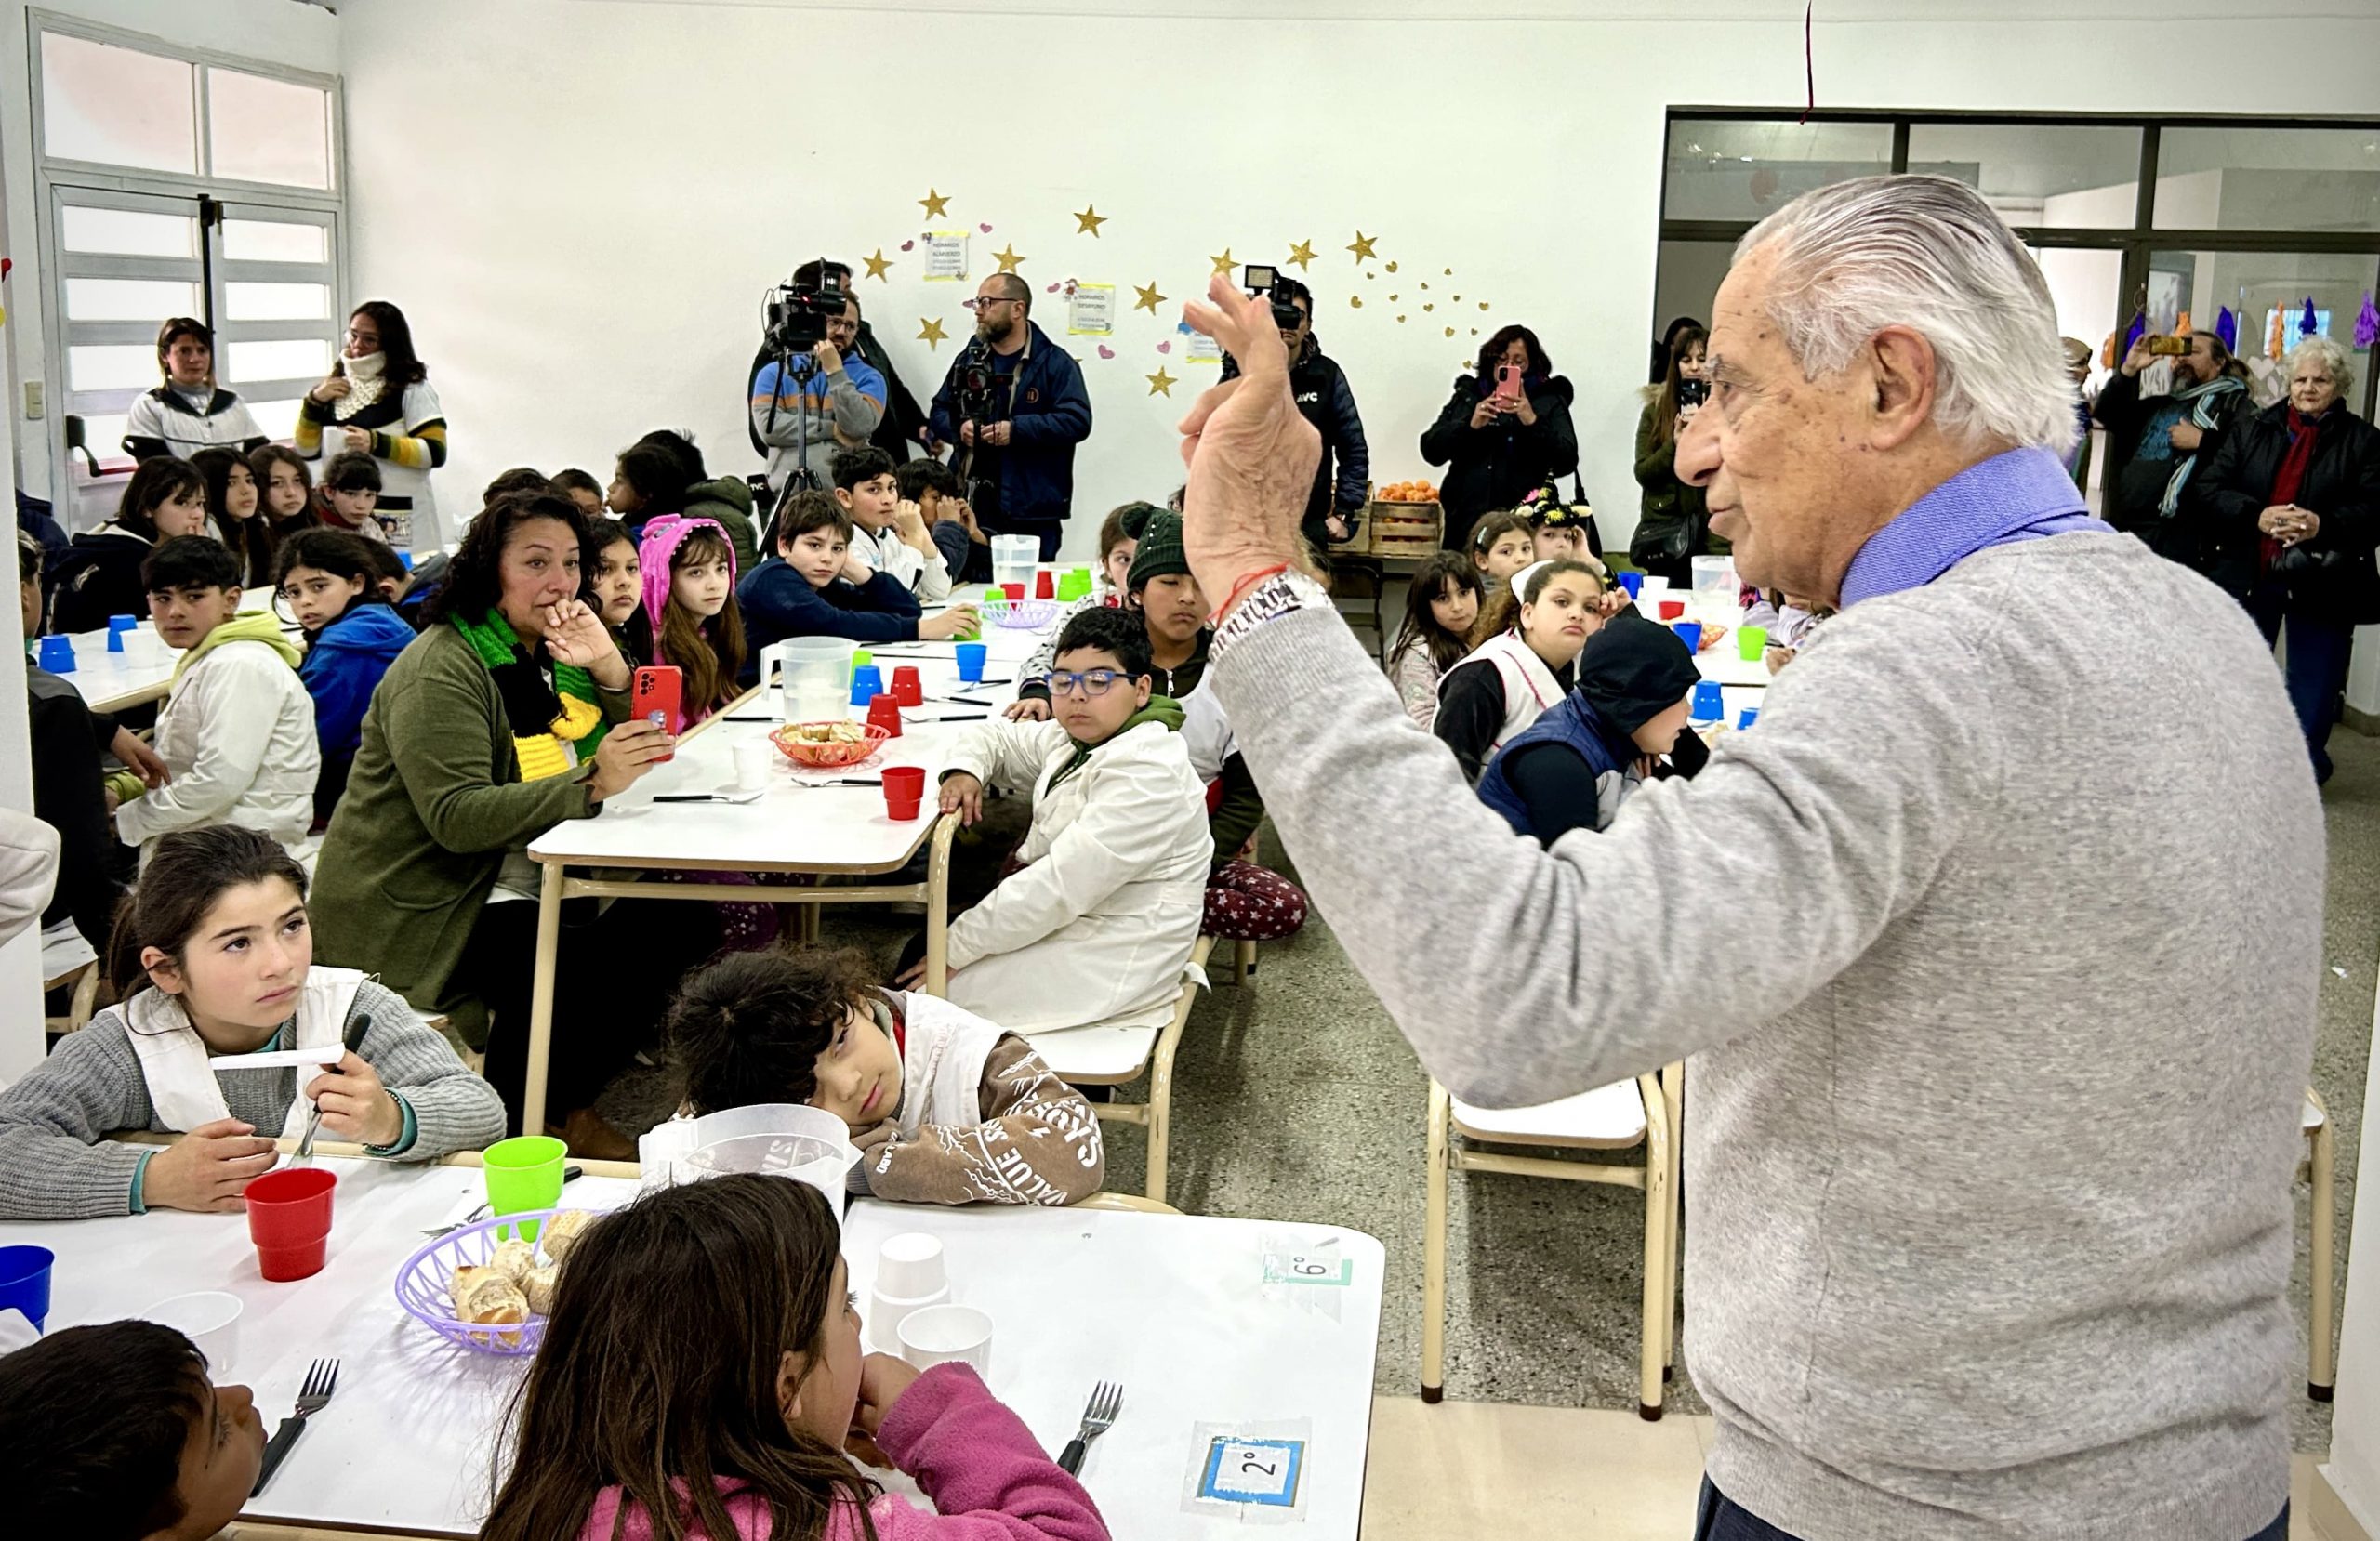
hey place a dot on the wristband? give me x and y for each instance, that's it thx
(1247, 582)
(1282, 593)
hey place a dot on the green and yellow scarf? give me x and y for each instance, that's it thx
(541, 716)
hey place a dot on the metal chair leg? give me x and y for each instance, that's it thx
(2321, 1367)
(1657, 1300)
(1433, 1252)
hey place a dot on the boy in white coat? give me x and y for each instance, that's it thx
(238, 732)
(1098, 925)
(887, 537)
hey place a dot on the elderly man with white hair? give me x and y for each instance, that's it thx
(1995, 1063)
(2292, 502)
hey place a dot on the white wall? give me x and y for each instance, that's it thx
(579, 201)
(278, 31)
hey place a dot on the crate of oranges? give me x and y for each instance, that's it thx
(1404, 520)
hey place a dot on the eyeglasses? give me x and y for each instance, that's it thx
(1090, 681)
(981, 303)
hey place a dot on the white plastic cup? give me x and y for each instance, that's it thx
(945, 1334)
(910, 1265)
(752, 765)
(208, 1318)
(886, 1312)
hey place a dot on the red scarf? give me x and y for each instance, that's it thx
(2285, 482)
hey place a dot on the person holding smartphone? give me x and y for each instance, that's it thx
(1505, 432)
(1672, 527)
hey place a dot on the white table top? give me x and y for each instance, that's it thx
(110, 681)
(1175, 1307)
(792, 827)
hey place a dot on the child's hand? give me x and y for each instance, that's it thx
(139, 759)
(949, 624)
(868, 1141)
(1611, 601)
(909, 520)
(1028, 709)
(856, 567)
(966, 517)
(1779, 657)
(882, 1378)
(355, 1105)
(963, 795)
(359, 441)
(207, 1170)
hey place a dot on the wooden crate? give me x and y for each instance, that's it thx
(1402, 529)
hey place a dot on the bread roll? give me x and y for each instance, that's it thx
(540, 1287)
(514, 1258)
(563, 1230)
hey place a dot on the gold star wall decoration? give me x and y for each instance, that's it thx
(1160, 383)
(932, 333)
(1362, 245)
(934, 203)
(1224, 263)
(1302, 254)
(1089, 221)
(1008, 259)
(1150, 299)
(877, 265)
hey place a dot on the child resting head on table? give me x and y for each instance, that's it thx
(1097, 924)
(1625, 721)
(114, 1433)
(213, 957)
(702, 1376)
(945, 1107)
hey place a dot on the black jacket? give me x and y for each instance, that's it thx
(2342, 485)
(1497, 467)
(2135, 488)
(67, 740)
(1341, 484)
(98, 575)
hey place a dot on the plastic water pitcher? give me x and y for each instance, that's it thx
(816, 677)
(1014, 557)
(1715, 575)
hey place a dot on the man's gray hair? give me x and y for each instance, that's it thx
(2336, 361)
(1928, 254)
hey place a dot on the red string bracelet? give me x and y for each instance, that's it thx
(1239, 590)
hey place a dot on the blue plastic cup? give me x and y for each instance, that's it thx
(118, 626)
(1688, 632)
(406, 557)
(867, 683)
(971, 662)
(1746, 718)
(1634, 582)
(1708, 705)
(56, 654)
(24, 1281)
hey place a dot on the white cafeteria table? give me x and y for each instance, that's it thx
(113, 682)
(1177, 1307)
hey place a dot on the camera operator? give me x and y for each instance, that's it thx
(1335, 507)
(1014, 406)
(903, 426)
(807, 406)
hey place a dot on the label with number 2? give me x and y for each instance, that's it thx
(1253, 1471)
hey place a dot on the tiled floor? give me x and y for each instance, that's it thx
(1475, 1467)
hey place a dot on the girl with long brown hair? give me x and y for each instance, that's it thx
(689, 575)
(701, 1379)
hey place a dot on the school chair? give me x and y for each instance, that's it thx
(1620, 1116)
(2322, 1366)
(1111, 1056)
(1358, 584)
(67, 959)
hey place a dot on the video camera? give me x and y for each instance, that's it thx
(798, 314)
(974, 384)
(1261, 281)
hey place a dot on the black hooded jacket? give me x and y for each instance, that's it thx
(1498, 466)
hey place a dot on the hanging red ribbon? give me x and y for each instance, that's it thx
(1809, 64)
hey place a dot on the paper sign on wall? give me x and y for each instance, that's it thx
(945, 255)
(1091, 311)
(1205, 350)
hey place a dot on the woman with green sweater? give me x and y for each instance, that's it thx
(1673, 526)
(506, 716)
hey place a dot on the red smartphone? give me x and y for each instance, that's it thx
(654, 697)
(1508, 382)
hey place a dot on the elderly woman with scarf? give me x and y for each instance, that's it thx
(2157, 444)
(2291, 504)
(506, 716)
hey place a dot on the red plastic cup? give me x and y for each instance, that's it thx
(905, 791)
(907, 689)
(885, 711)
(289, 1219)
(1673, 608)
(1015, 593)
(1044, 586)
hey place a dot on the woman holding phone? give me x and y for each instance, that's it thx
(1672, 527)
(1505, 432)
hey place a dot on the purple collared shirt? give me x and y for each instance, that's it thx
(2021, 494)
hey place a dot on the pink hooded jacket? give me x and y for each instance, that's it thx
(975, 1458)
(663, 535)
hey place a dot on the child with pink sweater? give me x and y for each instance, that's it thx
(701, 1378)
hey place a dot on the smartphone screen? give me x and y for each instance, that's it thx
(1693, 393)
(654, 696)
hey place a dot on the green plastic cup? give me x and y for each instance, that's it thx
(1750, 644)
(862, 657)
(523, 1174)
(1080, 575)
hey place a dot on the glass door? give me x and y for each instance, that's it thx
(275, 306)
(2266, 291)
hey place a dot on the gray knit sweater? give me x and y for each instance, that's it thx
(54, 1166)
(1995, 945)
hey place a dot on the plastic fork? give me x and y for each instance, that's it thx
(1098, 1417)
(322, 1379)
